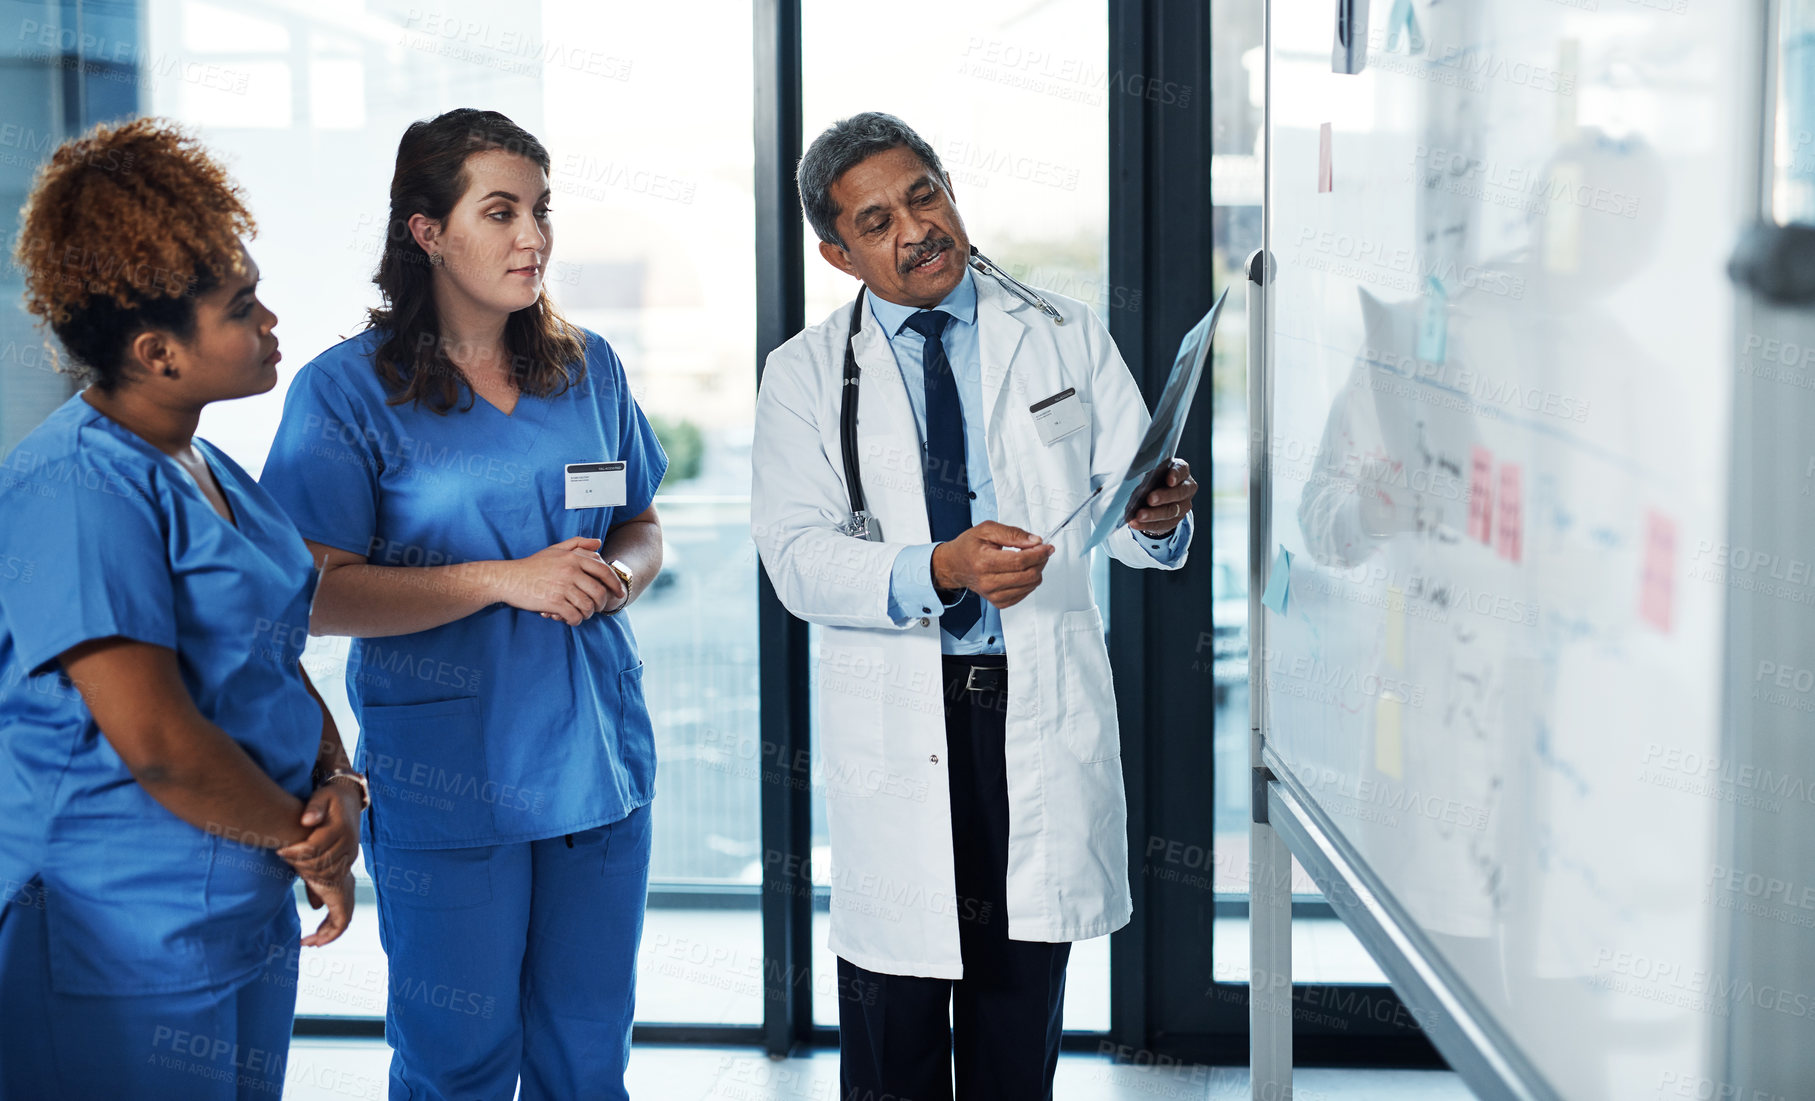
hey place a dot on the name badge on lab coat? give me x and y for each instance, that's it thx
(1059, 416)
(595, 485)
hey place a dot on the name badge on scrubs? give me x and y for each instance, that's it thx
(1058, 416)
(595, 485)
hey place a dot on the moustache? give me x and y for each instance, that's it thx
(925, 251)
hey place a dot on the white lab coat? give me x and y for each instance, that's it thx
(878, 683)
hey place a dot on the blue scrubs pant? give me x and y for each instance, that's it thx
(513, 960)
(210, 1045)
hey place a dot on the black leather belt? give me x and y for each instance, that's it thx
(977, 672)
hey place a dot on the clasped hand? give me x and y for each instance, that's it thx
(568, 582)
(324, 859)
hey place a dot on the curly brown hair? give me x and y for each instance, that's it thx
(124, 227)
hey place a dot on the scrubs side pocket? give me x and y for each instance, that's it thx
(635, 733)
(431, 787)
(251, 900)
(432, 879)
(1089, 700)
(126, 903)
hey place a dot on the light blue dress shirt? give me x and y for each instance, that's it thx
(911, 590)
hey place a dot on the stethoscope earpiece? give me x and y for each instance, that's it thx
(861, 524)
(1014, 286)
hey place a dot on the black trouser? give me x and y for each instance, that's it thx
(899, 1035)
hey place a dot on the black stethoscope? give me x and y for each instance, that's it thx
(861, 524)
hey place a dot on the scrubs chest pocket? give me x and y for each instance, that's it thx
(431, 785)
(1087, 723)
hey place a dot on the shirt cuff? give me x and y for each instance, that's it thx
(911, 590)
(1166, 551)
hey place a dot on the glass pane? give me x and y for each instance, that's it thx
(1236, 64)
(1016, 108)
(1323, 949)
(649, 128)
(656, 188)
(1793, 183)
(31, 88)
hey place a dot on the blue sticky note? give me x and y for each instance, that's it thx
(1403, 19)
(1278, 582)
(1433, 331)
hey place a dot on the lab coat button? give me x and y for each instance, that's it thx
(935, 758)
(925, 622)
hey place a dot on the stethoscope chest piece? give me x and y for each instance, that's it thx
(860, 523)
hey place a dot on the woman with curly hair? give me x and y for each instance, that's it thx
(166, 768)
(477, 481)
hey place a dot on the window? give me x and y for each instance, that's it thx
(649, 124)
(649, 129)
(1323, 949)
(1014, 103)
(54, 80)
(1793, 176)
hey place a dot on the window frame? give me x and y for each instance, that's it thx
(1166, 1001)
(1160, 241)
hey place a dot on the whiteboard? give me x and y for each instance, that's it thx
(1500, 339)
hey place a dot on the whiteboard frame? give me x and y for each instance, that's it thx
(1470, 1039)
(1768, 508)
(1467, 1036)
(1269, 860)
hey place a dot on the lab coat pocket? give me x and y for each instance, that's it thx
(851, 689)
(431, 785)
(1088, 720)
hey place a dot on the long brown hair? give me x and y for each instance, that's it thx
(547, 352)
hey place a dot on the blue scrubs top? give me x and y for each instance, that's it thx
(502, 726)
(102, 535)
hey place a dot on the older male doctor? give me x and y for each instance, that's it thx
(966, 716)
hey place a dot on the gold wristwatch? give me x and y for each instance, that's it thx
(629, 575)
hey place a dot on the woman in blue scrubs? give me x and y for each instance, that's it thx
(477, 482)
(164, 762)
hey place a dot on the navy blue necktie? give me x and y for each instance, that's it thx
(947, 480)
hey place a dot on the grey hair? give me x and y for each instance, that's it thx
(845, 144)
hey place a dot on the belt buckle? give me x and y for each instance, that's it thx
(970, 678)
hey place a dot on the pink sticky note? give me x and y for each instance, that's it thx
(1510, 512)
(1657, 582)
(1481, 496)
(1326, 179)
